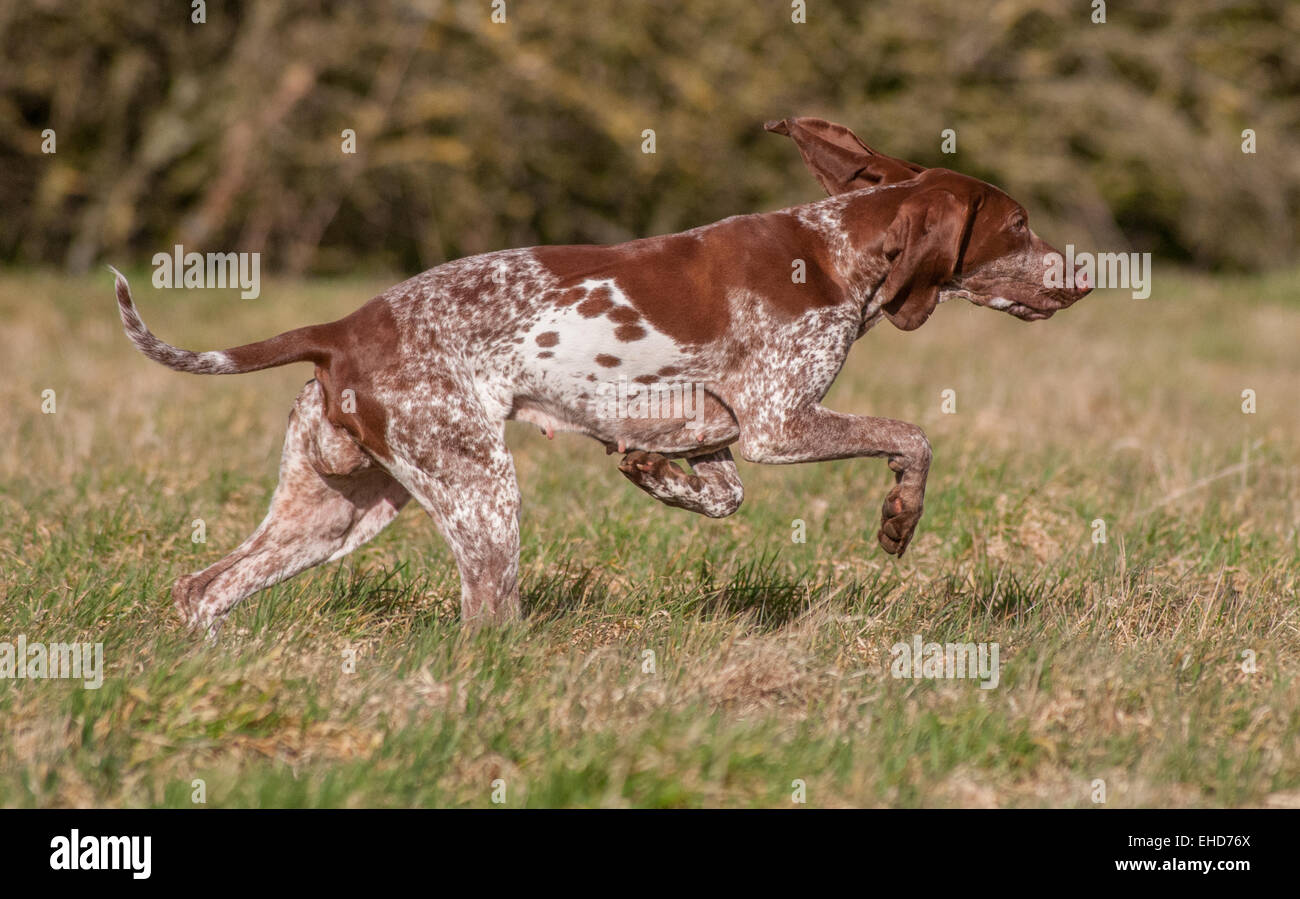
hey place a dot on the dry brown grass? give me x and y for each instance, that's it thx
(1120, 661)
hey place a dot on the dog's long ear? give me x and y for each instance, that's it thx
(924, 245)
(838, 158)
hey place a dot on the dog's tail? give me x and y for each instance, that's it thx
(300, 345)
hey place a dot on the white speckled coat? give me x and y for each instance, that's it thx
(755, 313)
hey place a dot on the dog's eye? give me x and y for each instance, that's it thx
(1019, 223)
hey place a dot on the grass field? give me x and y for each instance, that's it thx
(1121, 661)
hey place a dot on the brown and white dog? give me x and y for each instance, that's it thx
(412, 391)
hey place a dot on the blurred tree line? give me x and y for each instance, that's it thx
(473, 135)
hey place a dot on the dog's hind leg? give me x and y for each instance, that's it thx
(452, 457)
(713, 489)
(476, 509)
(332, 497)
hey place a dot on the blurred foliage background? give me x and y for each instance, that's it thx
(474, 136)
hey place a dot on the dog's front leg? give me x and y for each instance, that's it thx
(815, 434)
(713, 489)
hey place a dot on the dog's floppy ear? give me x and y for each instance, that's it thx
(924, 246)
(838, 158)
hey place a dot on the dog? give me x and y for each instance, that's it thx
(755, 314)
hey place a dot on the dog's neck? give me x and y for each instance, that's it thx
(847, 228)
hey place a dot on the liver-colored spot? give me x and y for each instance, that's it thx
(597, 304)
(677, 282)
(629, 333)
(592, 378)
(545, 354)
(646, 379)
(669, 371)
(624, 315)
(608, 361)
(682, 284)
(550, 338)
(570, 296)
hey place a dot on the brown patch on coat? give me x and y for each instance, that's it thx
(629, 333)
(362, 342)
(595, 306)
(608, 361)
(625, 315)
(550, 338)
(681, 283)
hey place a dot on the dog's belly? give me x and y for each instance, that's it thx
(589, 363)
(680, 420)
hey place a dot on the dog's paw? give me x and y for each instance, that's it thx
(186, 600)
(187, 597)
(645, 469)
(898, 519)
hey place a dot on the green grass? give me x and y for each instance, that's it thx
(1120, 661)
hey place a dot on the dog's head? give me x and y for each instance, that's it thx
(949, 235)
